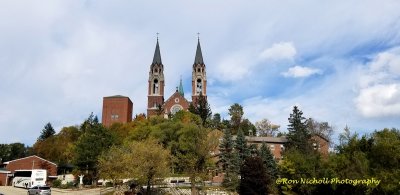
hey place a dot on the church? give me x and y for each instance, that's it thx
(156, 103)
(119, 108)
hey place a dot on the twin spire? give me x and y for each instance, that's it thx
(157, 54)
(198, 59)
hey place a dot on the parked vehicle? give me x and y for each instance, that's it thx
(28, 178)
(42, 190)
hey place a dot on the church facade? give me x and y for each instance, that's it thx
(156, 103)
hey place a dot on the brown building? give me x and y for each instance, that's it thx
(27, 163)
(116, 109)
(155, 96)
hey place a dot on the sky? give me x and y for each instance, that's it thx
(339, 61)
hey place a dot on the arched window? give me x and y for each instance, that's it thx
(155, 86)
(198, 86)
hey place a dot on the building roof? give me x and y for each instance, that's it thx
(157, 55)
(264, 139)
(116, 96)
(198, 59)
(8, 162)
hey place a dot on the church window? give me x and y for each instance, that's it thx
(114, 116)
(176, 100)
(198, 86)
(155, 86)
(176, 108)
(198, 70)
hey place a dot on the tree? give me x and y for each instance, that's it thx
(266, 128)
(147, 160)
(229, 160)
(253, 181)
(320, 128)
(241, 147)
(247, 127)
(12, 151)
(95, 140)
(47, 132)
(216, 122)
(236, 113)
(192, 152)
(298, 135)
(269, 165)
(201, 108)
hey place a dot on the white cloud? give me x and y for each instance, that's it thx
(379, 100)
(279, 51)
(379, 86)
(300, 71)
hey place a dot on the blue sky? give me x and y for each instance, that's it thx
(339, 61)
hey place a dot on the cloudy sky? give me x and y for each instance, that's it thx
(339, 61)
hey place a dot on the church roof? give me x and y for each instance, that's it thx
(157, 55)
(199, 56)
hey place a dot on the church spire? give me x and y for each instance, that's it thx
(157, 54)
(199, 56)
(181, 88)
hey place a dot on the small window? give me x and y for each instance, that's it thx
(198, 70)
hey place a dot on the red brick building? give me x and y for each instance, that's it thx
(27, 163)
(156, 83)
(116, 109)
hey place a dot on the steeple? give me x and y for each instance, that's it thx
(157, 54)
(199, 56)
(181, 88)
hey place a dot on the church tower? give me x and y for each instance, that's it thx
(155, 97)
(199, 79)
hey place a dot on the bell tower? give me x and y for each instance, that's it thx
(199, 79)
(155, 96)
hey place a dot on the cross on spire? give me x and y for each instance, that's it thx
(157, 35)
(198, 36)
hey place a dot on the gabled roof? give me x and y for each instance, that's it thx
(157, 55)
(8, 162)
(198, 59)
(174, 95)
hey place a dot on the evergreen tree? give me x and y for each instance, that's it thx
(269, 162)
(47, 132)
(241, 147)
(201, 108)
(229, 162)
(252, 180)
(298, 135)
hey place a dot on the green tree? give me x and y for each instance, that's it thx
(47, 132)
(236, 113)
(95, 140)
(12, 151)
(147, 160)
(201, 108)
(298, 135)
(253, 181)
(247, 127)
(112, 164)
(229, 160)
(241, 147)
(192, 152)
(269, 161)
